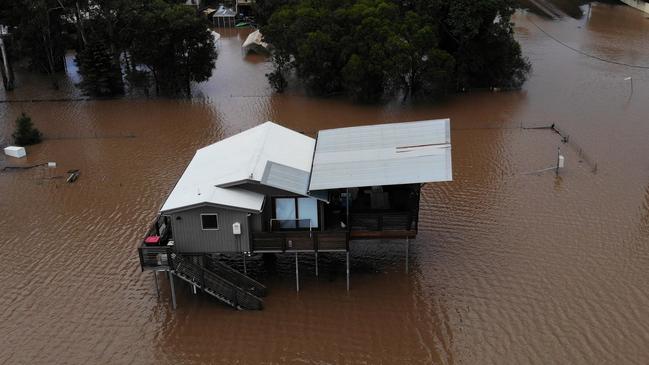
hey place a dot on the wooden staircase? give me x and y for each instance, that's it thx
(239, 279)
(227, 285)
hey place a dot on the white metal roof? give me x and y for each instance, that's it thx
(215, 170)
(255, 42)
(222, 11)
(384, 154)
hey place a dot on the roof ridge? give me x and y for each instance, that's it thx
(258, 152)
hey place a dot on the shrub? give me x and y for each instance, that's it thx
(25, 133)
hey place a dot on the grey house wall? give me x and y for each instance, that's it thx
(190, 237)
(256, 224)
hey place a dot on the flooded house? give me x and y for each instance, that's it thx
(272, 190)
(224, 17)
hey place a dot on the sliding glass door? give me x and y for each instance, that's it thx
(296, 213)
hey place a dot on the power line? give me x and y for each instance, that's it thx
(587, 54)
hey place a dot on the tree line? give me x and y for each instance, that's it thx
(120, 44)
(370, 49)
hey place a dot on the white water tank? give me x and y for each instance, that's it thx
(15, 151)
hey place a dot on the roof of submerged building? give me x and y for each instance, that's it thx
(268, 153)
(223, 173)
(384, 154)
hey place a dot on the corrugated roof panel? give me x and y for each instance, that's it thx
(286, 178)
(386, 154)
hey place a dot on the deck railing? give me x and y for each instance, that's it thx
(154, 257)
(380, 221)
(300, 241)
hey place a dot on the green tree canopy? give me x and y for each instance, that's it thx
(372, 48)
(101, 75)
(164, 40)
(175, 45)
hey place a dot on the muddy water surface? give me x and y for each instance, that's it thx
(509, 267)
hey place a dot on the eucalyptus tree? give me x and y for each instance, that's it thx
(370, 49)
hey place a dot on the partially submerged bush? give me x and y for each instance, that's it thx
(277, 80)
(25, 133)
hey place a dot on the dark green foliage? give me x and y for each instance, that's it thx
(173, 44)
(277, 80)
(37, 31)
(158, 40)
(101, 76)
(25, 133)
(372, 48)
(263, 9)
(480, 37)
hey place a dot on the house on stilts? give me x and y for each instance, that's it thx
(270, 189)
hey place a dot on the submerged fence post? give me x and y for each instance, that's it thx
(558, 160)
(347, 270)
(407, 252)
(297, 274)
(173, 290)
(155, 278)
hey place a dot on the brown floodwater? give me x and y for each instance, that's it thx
(508, 267)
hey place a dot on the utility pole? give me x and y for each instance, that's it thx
(6, 71)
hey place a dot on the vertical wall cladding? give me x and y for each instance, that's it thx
(190, 237)
(256, 224)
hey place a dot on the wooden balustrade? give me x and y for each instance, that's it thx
(154, 257)
(299, 241)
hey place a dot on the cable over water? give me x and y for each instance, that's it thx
(584, 53)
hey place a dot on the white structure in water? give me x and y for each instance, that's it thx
(254, 43)
(15, 151)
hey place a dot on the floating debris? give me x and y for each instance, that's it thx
(9, 168)
(74, 175)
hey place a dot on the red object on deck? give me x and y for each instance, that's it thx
(152, 240)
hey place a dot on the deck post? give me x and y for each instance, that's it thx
(155, 278)
(407, 252)
(297, 274)
(347, 270)
(173, 290)
(245, 269)
(347, 203)
(316, 264)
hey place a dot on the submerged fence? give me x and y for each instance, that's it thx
(577, 146)
(566, 138)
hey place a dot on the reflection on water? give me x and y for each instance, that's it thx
(508, 267)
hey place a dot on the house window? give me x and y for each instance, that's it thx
(209, 221)
(296, 213)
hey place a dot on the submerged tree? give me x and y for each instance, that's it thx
(162, 40)
(100, 75)
(25, 133)
(479, 34)
(38, 30)
(372, 48)
(174, 45)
